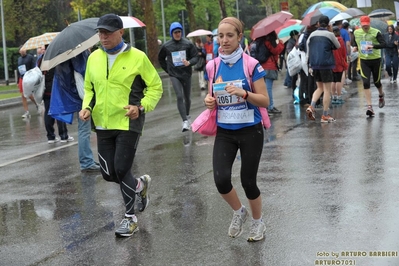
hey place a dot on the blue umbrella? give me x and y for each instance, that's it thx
(322, 4)
(330, 12)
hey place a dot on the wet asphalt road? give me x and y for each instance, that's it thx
(327, 190)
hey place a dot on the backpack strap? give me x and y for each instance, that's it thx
(249, 67)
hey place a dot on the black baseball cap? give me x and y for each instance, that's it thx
(110, 22)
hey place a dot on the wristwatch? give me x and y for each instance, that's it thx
(141, 109)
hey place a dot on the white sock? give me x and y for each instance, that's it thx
(132, 216)
(240, 211)
(260, 220)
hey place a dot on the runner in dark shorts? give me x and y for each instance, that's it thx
(320, 46)
(323, 75)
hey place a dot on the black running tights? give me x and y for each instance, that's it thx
(249, 141)
(116, 151)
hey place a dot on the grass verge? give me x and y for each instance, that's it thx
(9, 87)
(9, 95)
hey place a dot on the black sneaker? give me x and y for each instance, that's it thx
(127, 227)
(142, 197)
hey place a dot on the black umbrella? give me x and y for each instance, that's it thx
(354, 12)
(70, 42)
(381, 13)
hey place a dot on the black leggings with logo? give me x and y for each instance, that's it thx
(249, 141)
(116, 151)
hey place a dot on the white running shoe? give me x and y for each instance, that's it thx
(186, 126)
(69, 139)
(51, 141)
(26, 114)
(237, 222)
(257, 231)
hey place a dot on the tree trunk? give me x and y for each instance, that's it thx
(191, 15)
(152, 39)
(223, 11)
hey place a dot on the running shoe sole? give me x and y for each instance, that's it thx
(127, 235)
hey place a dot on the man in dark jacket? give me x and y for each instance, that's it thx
(176, 57)
(320, 46)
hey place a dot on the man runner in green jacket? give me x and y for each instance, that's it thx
(121, 85)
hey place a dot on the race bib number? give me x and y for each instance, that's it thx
(209, 57)
(178, 57)
(232, 109)
(363, 45)
(22, 69)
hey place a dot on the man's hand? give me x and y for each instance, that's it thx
(84, 115)
(133, 111)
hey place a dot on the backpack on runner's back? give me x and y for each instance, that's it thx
(259, 51)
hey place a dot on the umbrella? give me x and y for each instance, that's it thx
(39, 41)
(330, 12)
(354, 12)
(288, 23)
(381, 13)
(76, 38)
(199, 32)
(340, 16)
(269, 24)
(313, 17)
(131, 22)
(286, 31)
(322, 4)
(70, 42)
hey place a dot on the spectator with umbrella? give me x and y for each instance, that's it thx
(265, 27)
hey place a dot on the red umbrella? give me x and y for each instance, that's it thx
(269, 24)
